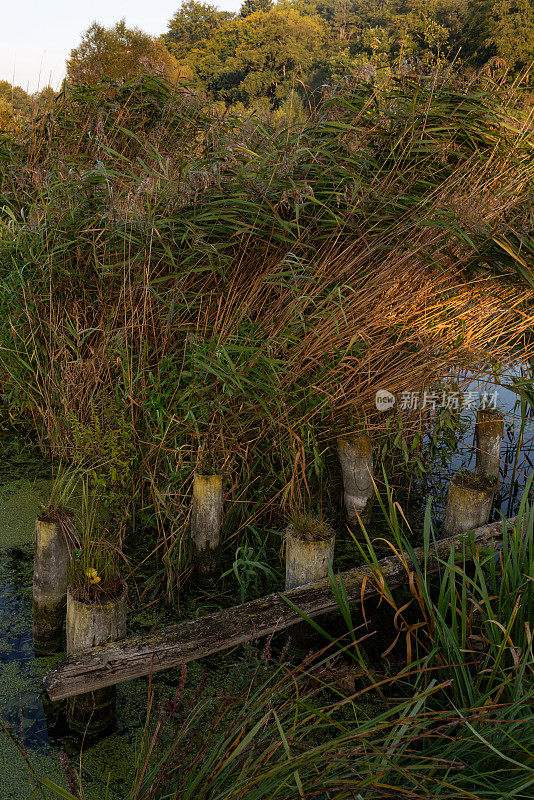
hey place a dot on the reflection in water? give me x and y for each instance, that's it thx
(516, 464)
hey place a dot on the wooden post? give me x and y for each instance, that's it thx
(309, 551)
(50, 578)
(206, 523)
(489, 430)
(308, 554)
(90, 624)
(193, 639)
(356, 457)
(469, 502)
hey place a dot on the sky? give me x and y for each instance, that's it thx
(36, 36)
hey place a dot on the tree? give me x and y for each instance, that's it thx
(253, 58)
(192, 26)
(502, 29)
(15, 106)
(118, 53)
(15, 98)
(251, 6)
(44, 98)
(262, 55)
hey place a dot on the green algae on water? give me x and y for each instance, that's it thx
(20, 502)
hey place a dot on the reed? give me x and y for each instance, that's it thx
(172, 280)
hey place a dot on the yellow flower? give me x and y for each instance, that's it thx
(92, 575)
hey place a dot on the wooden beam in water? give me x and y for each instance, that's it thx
(138, 656)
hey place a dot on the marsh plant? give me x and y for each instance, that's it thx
(64, 485)
(249, 569)
(309, 527)
(171, 276)
(58, 509)
(95, 573)
(470, 624)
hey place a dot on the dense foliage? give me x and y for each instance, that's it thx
(451, 718)
(16, 105)
(217, 274)
(176, 284)
(117, 52)
(266, 50)
(279, 57)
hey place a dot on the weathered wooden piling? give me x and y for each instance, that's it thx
(90, 624)
(356, 457)
(310, 546)
(308, 552)
(193, 639)
(206, 523)
(489, 430)
(469, 502)
(50, 579)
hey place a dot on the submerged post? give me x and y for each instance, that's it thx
(206, 523)
(50, 578)
(469, 502)
(90, 624)
(489, 430)
(356, 457)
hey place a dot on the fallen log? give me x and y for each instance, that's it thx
(138, 656)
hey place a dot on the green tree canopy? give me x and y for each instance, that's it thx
(14, 97)
(192, 26)
(118, 53)
(261, 55)
(502, 29)
(251, 6)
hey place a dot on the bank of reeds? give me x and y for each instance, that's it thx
(179, 286)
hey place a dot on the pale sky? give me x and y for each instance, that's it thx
(36, 36)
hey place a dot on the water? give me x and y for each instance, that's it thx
(41, 726)
(516, 465)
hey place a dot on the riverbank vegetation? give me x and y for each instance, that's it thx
(333, 728)
(184, 289)
(186, 285)
(444, 711)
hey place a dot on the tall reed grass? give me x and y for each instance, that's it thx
(177, 283)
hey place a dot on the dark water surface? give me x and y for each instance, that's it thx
(516, 464)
